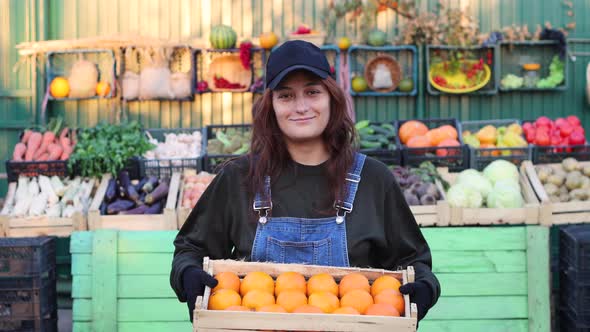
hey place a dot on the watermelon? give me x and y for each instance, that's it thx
(223, 36)
(376, 38)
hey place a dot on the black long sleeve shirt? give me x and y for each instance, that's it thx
(381, 230)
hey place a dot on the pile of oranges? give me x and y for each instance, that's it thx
(292, 293)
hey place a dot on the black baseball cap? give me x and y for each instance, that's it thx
(293, 55)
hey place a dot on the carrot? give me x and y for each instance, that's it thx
(63, 137)
(33, 145)
(67, 151)
(55, 151)
(43, 157)
(74, 138)
(19, 151)
(48, 138)
(26, 136)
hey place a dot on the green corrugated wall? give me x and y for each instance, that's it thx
(25, 20)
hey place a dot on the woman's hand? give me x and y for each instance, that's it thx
(421, 294)
(194, 281)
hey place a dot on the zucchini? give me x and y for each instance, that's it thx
(158, 194)
(151, 183)
(111, 191)
(155, 209)
(119, 205)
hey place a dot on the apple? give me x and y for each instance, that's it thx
(574, 120)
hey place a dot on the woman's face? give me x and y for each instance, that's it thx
(302, 106)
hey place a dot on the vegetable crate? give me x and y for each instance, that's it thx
(165, 167)
(165, 220)
(41, 225)
(14, 169)
(26, 256)
(575, 274)
(456, 158)
(515, 54)
(231, 142)
(438, 56)
(528, 214)
(386, 149)
(212, 320)
(402, 62)
(28, 298)
(556, 213)
(555, 154)
(66, 64)
(479, 158)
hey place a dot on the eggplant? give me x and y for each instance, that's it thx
(124, 183)
(119, 205)
(141, 183)
(156, 208)
(111, 191)
(151, 183)
(103, 208)
(157, 194)
(133, 195)
(138, 210)
(142, 196)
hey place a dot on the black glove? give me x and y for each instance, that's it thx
(194, 281)
(421, 294)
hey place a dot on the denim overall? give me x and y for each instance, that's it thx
(320, 241)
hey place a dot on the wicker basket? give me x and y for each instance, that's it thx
(230, 67)
(392, 65)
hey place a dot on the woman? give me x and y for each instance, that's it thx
(303, 195)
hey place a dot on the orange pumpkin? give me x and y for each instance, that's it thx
(450, 130)
(448, 152)
(410, 129)
(59, 87)
(268, 40)
(420, 141)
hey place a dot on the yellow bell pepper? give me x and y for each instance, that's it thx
(487, 135)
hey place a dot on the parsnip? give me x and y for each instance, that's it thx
(58, 186)
(22, 188)
(68, 211)
(39, 205)
(46, 188)
(9, 201)
(33, 189)
(54, 210)
(73, 188)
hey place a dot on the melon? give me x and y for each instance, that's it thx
(222, 37)
(376, 38)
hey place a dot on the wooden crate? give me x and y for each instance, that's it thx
(556, 213)
(528, 214)
(221, 320)
(433, 215)
(42, 225)
(164, 221)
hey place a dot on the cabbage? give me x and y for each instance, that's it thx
(505, 195)
(476, 181)
(460, 195)
(500, 170)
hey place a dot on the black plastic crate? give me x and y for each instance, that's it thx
(213, 161)
(165, 167)
(574, 247)
(389, 155)
(556, 154)
(48, 324)
(35, 297)
(26, 256)
(456, 158)
(575, 295)
(14, 169)
(479, 158)
(570, 320)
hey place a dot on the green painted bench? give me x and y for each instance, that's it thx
(492, 279)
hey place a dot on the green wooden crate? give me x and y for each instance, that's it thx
(492, 279)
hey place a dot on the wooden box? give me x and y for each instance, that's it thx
(556, 213)
(212, 320)
(164, 221)
(433, 215)
(528, 214)
(11, 226)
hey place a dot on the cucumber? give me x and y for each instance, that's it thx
(383, 131)
(373, 138)
(366, 131)
(370, 145)
(362, 124)
(389, 127)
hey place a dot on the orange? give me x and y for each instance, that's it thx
(227, 280)
(271, 308)
(291, 299)
(257, 298)
(237, 308)
(410, 129)
(358, 299)
(308, 309)
(290, 281)
(384, 282)
(326, 301)
(346, 311)
(353, 281)
(381, 309)
(322, 282)
(59, 87)
(103, 89)
(393, 297)
(223, 299)
(257, 280)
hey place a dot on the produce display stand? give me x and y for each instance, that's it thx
(165, 220)
(528, 214)
(11, 226)
(556, 213)
(433, 215)
(209, 320)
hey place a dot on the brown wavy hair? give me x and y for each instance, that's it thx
(269, 154)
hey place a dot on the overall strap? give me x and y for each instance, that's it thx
(352, 182)
(263, 201)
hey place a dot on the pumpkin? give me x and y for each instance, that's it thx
(440, 134)
(103, 89)
(449, 130)
(222, 37)
(419, 141)
(268, 40)
(448, 152)
(410, 129)
(59, 87)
